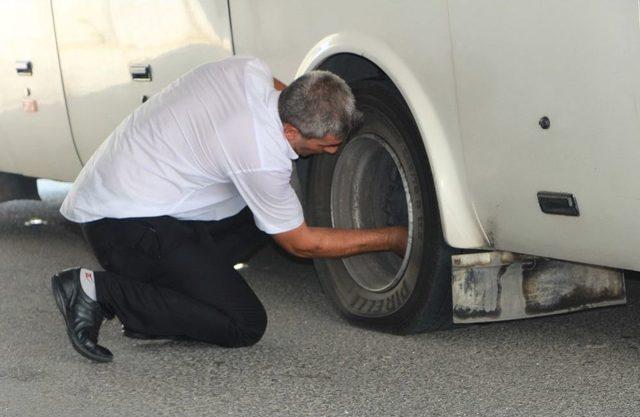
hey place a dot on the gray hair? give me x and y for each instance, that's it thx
(319, 103)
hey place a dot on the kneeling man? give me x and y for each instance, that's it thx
(189, 184)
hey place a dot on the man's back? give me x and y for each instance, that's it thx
(176, 154)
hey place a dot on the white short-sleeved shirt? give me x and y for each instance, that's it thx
(203, 148)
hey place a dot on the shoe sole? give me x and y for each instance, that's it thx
(58, 292)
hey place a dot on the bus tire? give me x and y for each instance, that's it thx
(381, 177)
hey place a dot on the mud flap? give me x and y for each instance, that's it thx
(496, 286)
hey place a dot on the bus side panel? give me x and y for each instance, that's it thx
(35, 143)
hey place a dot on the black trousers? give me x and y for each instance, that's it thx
(167, 277)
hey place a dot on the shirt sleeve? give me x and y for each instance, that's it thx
(271, 199)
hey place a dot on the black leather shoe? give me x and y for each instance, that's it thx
(143, 336)
(82, 315)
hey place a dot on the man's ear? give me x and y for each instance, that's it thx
(291, 132)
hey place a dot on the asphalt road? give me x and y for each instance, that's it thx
(310, 361)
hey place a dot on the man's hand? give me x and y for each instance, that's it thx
(323, 242)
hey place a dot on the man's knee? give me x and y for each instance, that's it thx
(249, 330)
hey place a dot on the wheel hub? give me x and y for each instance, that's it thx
(369, 190)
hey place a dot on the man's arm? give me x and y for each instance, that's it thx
(324, 242)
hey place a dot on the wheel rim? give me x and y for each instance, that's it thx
(369, 190)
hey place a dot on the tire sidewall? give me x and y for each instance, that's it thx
(423, 292)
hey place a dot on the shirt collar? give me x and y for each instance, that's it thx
(273, 108)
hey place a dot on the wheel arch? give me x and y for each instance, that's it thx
(355, 56)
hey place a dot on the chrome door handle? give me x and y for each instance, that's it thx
(24, 68)
(140, 72)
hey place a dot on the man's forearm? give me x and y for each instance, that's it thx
(337, 243)
(324, 242)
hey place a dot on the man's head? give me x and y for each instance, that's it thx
(318, 112)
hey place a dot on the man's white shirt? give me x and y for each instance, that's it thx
(203, 148)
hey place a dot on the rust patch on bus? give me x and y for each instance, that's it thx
(554, 285)
(495, 286)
